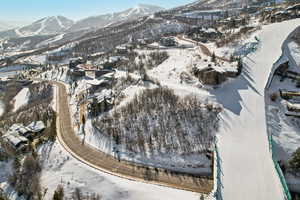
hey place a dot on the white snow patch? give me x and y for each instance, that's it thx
(2, 108)
(21, 99)
(59, 167)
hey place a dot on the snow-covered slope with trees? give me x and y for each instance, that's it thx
(282, 120)
(21, 99)
(60, 168)
(109, 19)
(46, 26)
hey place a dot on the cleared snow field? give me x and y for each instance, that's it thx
(21, 99)
(248, 170)
(60, 167)
(168, 73)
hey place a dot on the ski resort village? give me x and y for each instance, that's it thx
(197, 101)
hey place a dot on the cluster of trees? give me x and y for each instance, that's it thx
(145, 62)
(296, 37)
(200, 35)
(295, 161)
(25, 43)
(229, 38)
(59, 56)
(77, 194)
(108, 38)
(156, 58)
(95, 107)
(37, 109)
(26, 177)
(157, 120)
(239, 66)
(3, 197)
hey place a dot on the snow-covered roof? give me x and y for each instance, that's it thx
(296, 6)
(108, 76)
(75, 59)
(96, 81)
(18, 128)
(105, 94)
(14, 138)
(218, 68)
(98, 54)
(115, 58)
(121, 47)
(22, 130)
(36, 126)
(85, 66)
(209, 30)
(281, 12)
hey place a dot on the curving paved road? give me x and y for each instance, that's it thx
(123, 169)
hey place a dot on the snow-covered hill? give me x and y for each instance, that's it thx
(6, 25)
(46, 26)
(108, 19)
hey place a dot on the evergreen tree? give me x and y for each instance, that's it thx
(239, 66)
(213, 57)
(295, 161)
(59, 193)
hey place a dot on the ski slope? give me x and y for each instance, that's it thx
(248, 171)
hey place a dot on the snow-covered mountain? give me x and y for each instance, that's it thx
(46, 26)
(6, 25)
(212, 4)
(108, 19)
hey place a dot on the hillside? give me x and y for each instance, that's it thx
(283, 111)
(198, 98)
(110, 19)
(46, 26)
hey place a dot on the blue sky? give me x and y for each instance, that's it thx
(29, 10)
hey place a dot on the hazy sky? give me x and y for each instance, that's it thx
(29, 10)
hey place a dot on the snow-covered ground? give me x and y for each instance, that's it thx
(247, 167)
(2, 108)
(285, 129)
(21, 99)
(36, 59)
(192, 163)
(246, 163)
(60, 167)
(168, 73)
(6, 170)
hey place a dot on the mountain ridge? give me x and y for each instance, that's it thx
(100, 21)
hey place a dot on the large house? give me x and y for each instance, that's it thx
(18, 135)
(168, 42)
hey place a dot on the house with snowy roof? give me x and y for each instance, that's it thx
(15, 140)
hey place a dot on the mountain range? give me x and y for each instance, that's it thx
(59, 24)
(109, 19)
(6, 25)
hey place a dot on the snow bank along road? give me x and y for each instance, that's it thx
(108, 164)
(247, 166)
